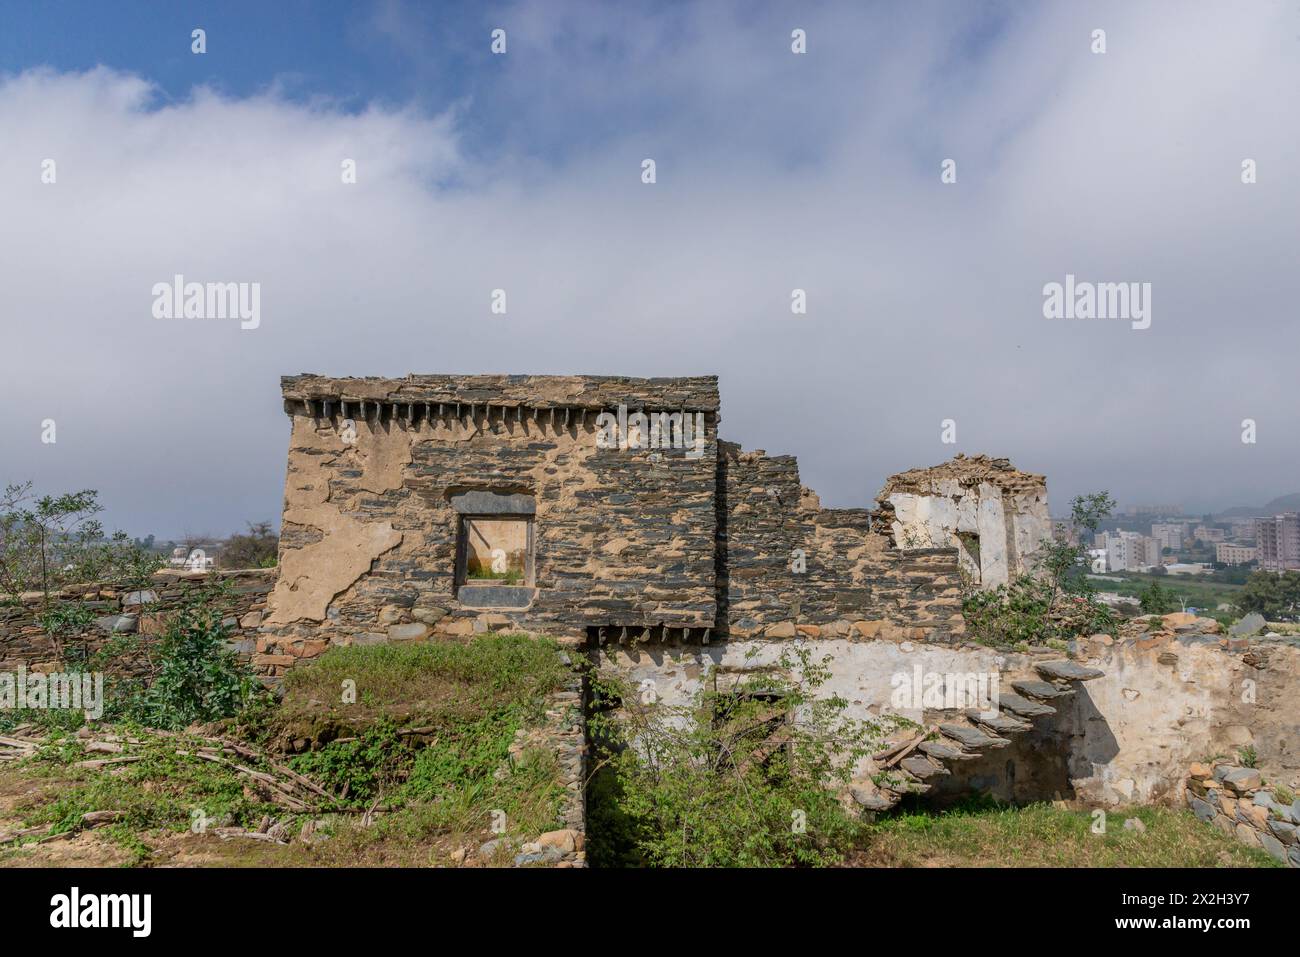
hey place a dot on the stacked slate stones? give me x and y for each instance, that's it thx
(975, 731)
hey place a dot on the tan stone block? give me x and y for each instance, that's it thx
(251, 620)
(1247, 835)
(391, 615)
(411, 632)
(1154, 641)
(308, 647)
(282, 661)
(154, 624)
(869, 629)
(782, 629)
(809, 631)
(1201, 771)
(1258, 816)
(891, 632)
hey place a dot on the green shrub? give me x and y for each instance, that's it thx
(743, 776)
(194, 676)
(1053, 605)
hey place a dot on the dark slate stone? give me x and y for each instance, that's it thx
(482, 502)
(1001, 723)
(1273, 846)
(1202, 810)
(496, 596)
(1023, 706)
(922, 767)
(944, 752)
(874, 801)
(1067, 671)
(974, 738)
(1284, 831)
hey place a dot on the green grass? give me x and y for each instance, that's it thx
(468, 699)
(986, 834)
(1205, 595)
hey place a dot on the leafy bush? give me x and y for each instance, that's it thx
(1056, 603)
(746, 776)
(194, 676)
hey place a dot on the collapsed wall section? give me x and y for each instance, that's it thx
(995, 515)
(792, 567)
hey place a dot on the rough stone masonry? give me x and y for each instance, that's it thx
(402, 493)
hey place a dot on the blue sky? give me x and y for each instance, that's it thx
(336, 49)
(776, 171)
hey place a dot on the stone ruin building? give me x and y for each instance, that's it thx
(399, 491)
(606, 512)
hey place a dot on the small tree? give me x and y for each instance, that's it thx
(1156, 600)
(1057, 602)
(256, 549)
(191, 673)
(53, 541)
(1271, 594)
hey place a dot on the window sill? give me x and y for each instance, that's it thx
(495, 596)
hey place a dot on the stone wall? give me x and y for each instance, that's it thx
(1241, 804)
(123, 609)
(564, 734)
(378, 473)
(787, 565)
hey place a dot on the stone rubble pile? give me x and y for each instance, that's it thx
(1237, 801)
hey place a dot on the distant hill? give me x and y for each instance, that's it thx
(1284, 503)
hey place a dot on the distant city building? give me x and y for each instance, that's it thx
(1207, 533)
(1231, 554)
(1277, 541)
(1097, 560)
(1129, 551)
(1155, 510)
(1242, 530)
(1169, 534)
(1188, 568)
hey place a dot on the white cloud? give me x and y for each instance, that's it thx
(775, 172)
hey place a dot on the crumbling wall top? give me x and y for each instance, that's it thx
(967, 472)
(602, 393)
